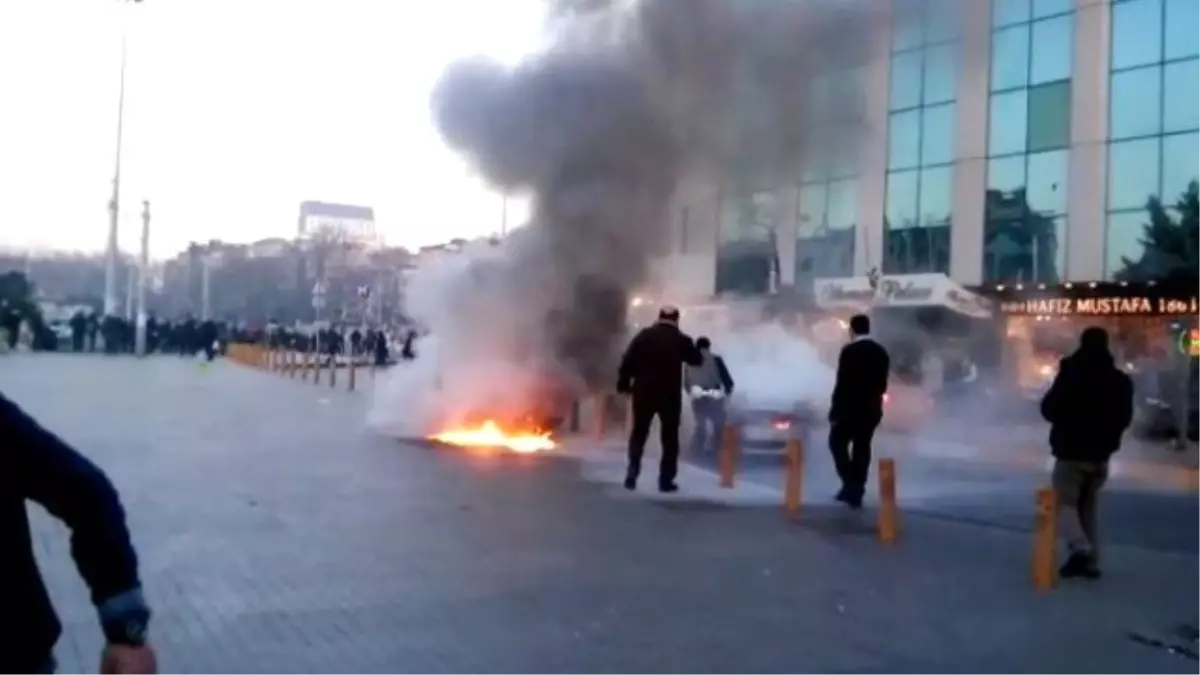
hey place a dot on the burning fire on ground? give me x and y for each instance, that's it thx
(489, 434)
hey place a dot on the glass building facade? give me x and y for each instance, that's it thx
(1029, 139)
(1153, 122)
(921, 130)
(827, 199)
(1006, 142)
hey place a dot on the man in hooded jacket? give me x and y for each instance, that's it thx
(1089, 406)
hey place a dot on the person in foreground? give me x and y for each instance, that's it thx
(39, 466)
(1089, 406)
(857, 408)
(652, 371)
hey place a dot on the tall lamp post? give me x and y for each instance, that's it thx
(143, 272)
(111, 301)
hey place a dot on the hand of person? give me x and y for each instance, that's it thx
(696, 392)
(128, 660)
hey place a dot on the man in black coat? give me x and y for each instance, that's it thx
(652, 371)
(857, 408)
(1089, 406)
(40, 467)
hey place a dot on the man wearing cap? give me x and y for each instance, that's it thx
(652, 372)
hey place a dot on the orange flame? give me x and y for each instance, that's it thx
(490, 435)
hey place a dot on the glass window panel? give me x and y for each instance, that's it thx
(1005, 12)
(1010, 57)
(941, 20)
(906, 81)
(1043, 8)
(1050, 116)
(1047, 187)
(1181, 165)
(1006, 174)
(842, 210)
(901, 208)
(906, 35)
(812, 209)
(1052, 45)
(904, 140)
(940, 74)
(1007, 122)
(1182, 38)
(1005, 198)
(937, 135)
(1133, 169)
(907, 24)
(1123, 240)
(937, 190)
(1135, 103)
(1137, 32)
(1181, 96)
(1047, 247)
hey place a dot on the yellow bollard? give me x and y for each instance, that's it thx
(352, 365)
(728, 458)
(795, 477)
(1045, 540)
(887, 500)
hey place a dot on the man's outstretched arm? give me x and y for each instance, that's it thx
(44, 469)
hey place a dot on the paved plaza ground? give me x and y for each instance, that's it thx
(277, 534)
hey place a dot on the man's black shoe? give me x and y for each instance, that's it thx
(854, 501)
(843, 496)
(1077, 565)
(630, 483)
(668, 487)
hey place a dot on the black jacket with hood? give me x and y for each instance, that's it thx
(1090, 403)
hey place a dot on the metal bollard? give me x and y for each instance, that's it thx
(728, 458)
(303, 365)
(353, 366)
(316, 368)
(795, 477)
(333, 366)
(887, 500)
(1045, 540)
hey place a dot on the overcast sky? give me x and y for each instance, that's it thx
(236, 111)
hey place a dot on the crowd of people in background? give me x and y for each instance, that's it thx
(188, 336)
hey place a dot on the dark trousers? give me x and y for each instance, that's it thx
(668, 411)
(850, 444)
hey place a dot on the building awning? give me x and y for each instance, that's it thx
(863, 294)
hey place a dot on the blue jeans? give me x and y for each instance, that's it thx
(709, 415)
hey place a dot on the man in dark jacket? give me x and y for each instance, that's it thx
(652, 371)
(38, 466)
(856, 408)
(1089, 406)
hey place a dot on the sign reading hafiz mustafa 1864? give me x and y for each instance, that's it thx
(1102, 306)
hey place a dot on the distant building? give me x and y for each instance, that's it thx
(353, 224)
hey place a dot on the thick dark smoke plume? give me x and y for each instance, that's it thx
(628, 97)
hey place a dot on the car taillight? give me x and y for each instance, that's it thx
(781, 425)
